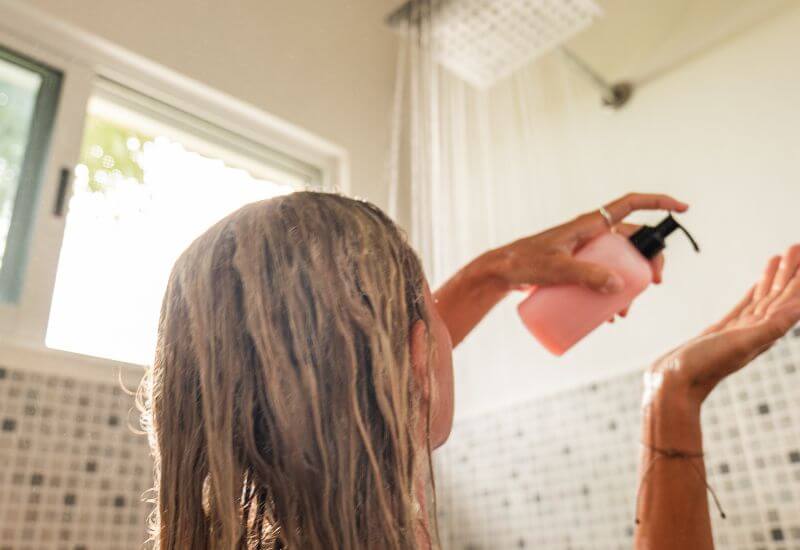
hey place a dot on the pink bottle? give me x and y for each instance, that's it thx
(560, 316)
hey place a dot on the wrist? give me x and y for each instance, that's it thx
(489, 270)
(671, 412)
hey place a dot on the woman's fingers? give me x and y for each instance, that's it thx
(785, 273)
(779, 285)
(766, 331)
(742, 335)
(620, 208)
(595, 223)
(764, 285)
(788, 267)
(789, 294)
(586, 274)
(657, 265)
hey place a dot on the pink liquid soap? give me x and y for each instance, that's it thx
(560, 316)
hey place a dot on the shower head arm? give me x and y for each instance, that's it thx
(412, 11)
(614, 95)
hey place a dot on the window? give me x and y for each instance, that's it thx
(28, 97)
(110, 165)
(150, 180)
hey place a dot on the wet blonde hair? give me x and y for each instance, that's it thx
(281, 406)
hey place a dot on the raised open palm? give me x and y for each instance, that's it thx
(769, 310)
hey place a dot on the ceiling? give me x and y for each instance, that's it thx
(639, 40)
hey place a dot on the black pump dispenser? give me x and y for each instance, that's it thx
(650, 240)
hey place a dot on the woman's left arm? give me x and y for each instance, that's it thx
(544, 259)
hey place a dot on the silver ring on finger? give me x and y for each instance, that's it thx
(606, 216)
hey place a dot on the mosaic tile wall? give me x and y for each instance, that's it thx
(557, 473)
(560, 473)
(72, 471)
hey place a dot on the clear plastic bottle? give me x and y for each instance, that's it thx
(560, 316)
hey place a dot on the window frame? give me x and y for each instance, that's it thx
(83, 59)
(25, 196)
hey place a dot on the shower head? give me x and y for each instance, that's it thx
(483, 41)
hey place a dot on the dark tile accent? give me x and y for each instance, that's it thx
(763, 408)
(70, 499)
(794, 457)
(119, 501)
(9, 424)
(776, 534)
(37, 479)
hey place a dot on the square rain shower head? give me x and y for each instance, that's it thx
(483, 41)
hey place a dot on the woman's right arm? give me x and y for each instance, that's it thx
(672, 508)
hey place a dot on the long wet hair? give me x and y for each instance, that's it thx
(281, 406)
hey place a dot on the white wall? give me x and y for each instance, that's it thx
(721, 132)
(325, 66)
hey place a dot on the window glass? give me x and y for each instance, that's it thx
(145, 188)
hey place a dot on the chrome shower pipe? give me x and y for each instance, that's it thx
(614, 95)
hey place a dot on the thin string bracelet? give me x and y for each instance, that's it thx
(675, 454)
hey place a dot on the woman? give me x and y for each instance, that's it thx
(303, 375)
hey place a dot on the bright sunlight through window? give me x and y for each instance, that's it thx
(142, 194)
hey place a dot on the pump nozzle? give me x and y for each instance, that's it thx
(650, 240)
(669, 224)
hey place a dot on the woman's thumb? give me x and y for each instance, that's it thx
(592, 276)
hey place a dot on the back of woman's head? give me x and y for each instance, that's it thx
(280, 405)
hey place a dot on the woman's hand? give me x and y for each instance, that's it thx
(544, 259)
(547, 258)
(767, 312)
(673, 506)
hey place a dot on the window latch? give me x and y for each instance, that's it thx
(61, 192)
